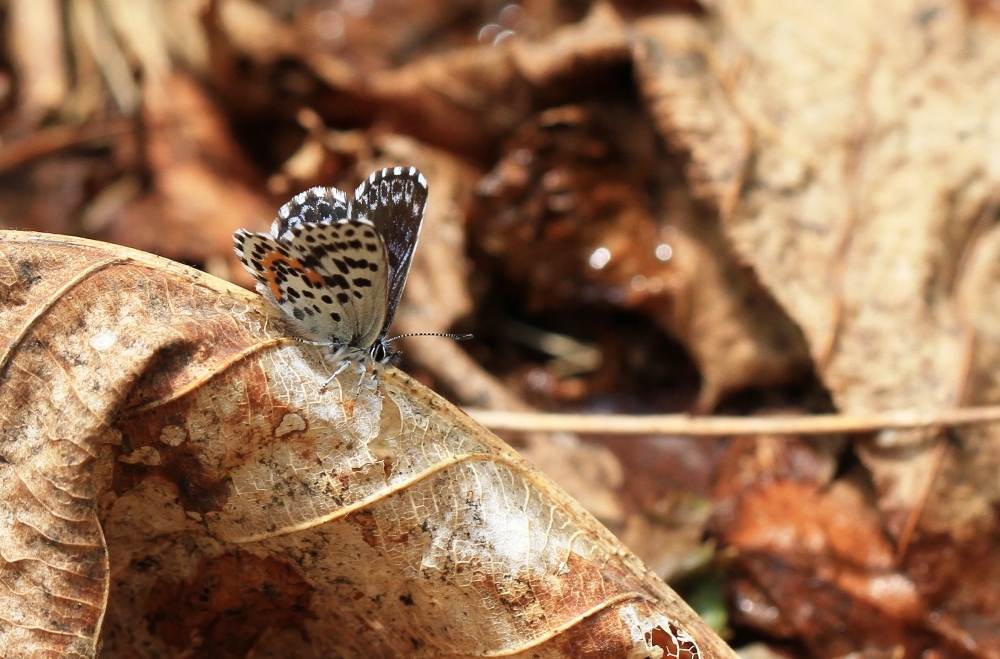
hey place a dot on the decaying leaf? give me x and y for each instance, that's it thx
(175, 484)
(569, 215)
(204, 187)
(851, 149)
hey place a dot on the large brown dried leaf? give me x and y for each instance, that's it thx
(468, 99)
(160, 428)
(852, 152)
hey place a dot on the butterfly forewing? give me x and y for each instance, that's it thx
(393, 200)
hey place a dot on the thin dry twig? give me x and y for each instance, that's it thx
(903, 543)
(714, 426)
(46, 142)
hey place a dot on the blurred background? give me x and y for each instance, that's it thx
(730, 207)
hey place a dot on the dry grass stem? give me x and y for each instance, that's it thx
(715, 426)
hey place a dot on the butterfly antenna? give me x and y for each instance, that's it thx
(457, 337)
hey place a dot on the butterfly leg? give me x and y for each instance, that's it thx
(362, 369)
(311, 343)
(340, 369)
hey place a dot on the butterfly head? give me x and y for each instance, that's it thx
(382, 353)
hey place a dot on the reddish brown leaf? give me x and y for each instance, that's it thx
(204, 187)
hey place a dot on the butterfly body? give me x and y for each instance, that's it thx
(336, 266)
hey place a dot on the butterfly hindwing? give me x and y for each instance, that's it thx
(329, 279)
(393, 200)
(351, 259)
(281, 278)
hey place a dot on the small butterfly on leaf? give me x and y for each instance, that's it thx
(336, 266)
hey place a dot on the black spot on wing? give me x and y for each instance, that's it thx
(355, 264)
(336, 281)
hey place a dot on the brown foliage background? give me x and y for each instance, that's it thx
(737, 207)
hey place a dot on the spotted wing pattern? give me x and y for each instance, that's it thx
(393, 200)
(329, 278)
(336, 266)
(314, 206)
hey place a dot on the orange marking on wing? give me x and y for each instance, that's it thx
(294, 264)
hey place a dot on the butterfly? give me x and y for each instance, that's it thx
(336, 266)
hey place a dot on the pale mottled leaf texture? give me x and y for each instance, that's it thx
(174, 483)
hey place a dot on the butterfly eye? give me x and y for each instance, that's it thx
(380, 351)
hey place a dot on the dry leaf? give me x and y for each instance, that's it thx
(203, 186)
(174, 483)
(39, 57)
(794, 539)
(851, 149)
(568, 213)
(469, 99)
